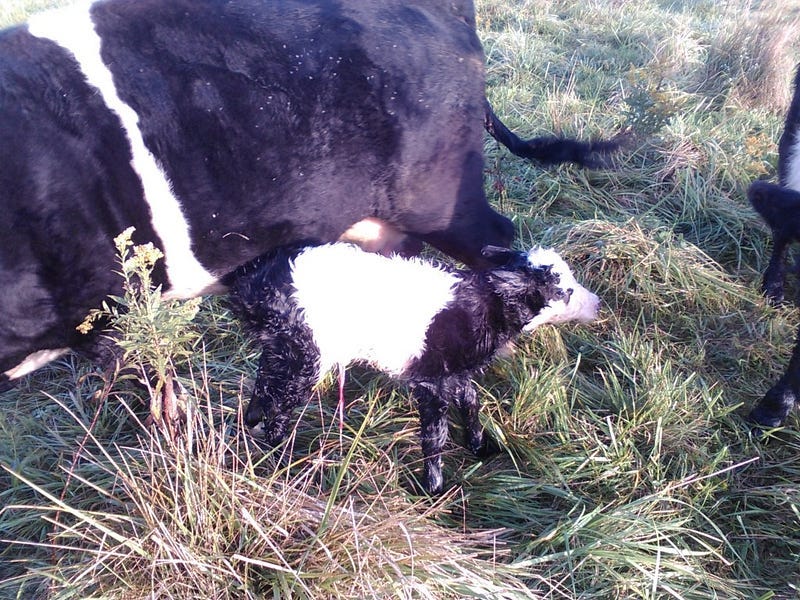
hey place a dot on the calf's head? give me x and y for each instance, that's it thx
(542, 280)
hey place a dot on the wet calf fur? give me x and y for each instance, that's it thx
(313, 309)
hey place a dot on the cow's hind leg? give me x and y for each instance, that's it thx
(778, 402)
(287, 372)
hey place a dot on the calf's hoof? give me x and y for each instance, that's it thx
(773, 292)
(486, 448)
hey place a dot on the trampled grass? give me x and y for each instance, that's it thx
(625, 468)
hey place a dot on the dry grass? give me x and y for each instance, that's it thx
(625, 468)
(749, 57)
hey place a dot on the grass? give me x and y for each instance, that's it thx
(625, 468)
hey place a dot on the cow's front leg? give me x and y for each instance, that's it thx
(775, 406)
(287, 372)
(775, 273)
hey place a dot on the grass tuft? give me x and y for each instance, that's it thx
(624, 466)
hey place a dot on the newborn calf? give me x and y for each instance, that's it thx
(316, 308)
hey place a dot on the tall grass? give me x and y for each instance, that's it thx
(625, 467)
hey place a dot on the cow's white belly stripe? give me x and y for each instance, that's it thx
(792, 178)
(72, 28)
(34, 361)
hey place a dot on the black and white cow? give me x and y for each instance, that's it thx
(314, 309)
(779, 206)
(220, 129)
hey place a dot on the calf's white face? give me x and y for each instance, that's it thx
(579, 304)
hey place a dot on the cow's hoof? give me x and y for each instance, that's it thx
(773, 408)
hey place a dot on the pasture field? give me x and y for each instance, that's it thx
(626, 468)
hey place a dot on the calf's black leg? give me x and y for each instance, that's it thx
(433, 408)
(287, 372)
(464, 394)
(434, 399)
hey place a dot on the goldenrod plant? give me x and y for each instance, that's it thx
(154, 333)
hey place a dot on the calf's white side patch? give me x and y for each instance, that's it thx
(363, 306)
(72, 28)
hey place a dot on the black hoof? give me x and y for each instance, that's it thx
(488, 448)
(774, 407)
(760, 420)
(774, 294)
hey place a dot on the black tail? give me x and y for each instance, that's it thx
(552, 150)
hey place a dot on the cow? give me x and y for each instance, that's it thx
(221, 129)
(779, 205)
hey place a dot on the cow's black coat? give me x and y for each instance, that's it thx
(779, 206)
(273, 121)
(66, 188)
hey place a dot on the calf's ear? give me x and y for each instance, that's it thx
(498, 256)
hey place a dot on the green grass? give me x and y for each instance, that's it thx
(626, 469)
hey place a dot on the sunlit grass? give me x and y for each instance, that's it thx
(625, 468)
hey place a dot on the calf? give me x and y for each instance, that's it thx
(313, 309)
(222, 129)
